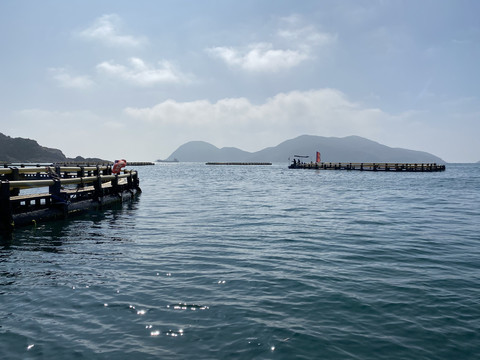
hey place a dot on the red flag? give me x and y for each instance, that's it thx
(318, 157)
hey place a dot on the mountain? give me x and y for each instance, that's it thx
(21, 150)
(14, 150)
(332, 149)
(199, 151)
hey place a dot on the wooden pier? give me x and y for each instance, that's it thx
(71, 190)
(405, 167)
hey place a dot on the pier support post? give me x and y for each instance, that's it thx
(14, 176)
(6, 218)
(58, 200)
(81, 172)
(115, 188)
(98, 189)
(130, 182)
(136, 182)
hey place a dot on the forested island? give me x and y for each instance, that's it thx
(22, 150)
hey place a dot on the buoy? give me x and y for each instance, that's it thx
(118, 165)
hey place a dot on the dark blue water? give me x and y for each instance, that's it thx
(260, 262)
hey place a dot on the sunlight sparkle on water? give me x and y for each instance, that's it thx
(173, 333)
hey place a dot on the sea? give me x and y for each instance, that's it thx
(253, 262)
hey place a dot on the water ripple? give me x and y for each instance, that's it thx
(254, 262)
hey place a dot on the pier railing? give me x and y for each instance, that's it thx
(39, 171)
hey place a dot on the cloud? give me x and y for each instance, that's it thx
(66, 80)
(106, 30)
(141, 74)
(238, 122)
(259, 57)
(305, 37)
(299, 43)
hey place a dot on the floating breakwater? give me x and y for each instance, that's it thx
(369, 166)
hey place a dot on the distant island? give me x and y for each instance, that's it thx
(332, 149)
(21, 150)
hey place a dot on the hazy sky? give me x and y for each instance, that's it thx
(137, 79)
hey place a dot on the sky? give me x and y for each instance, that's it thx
(137, 79)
